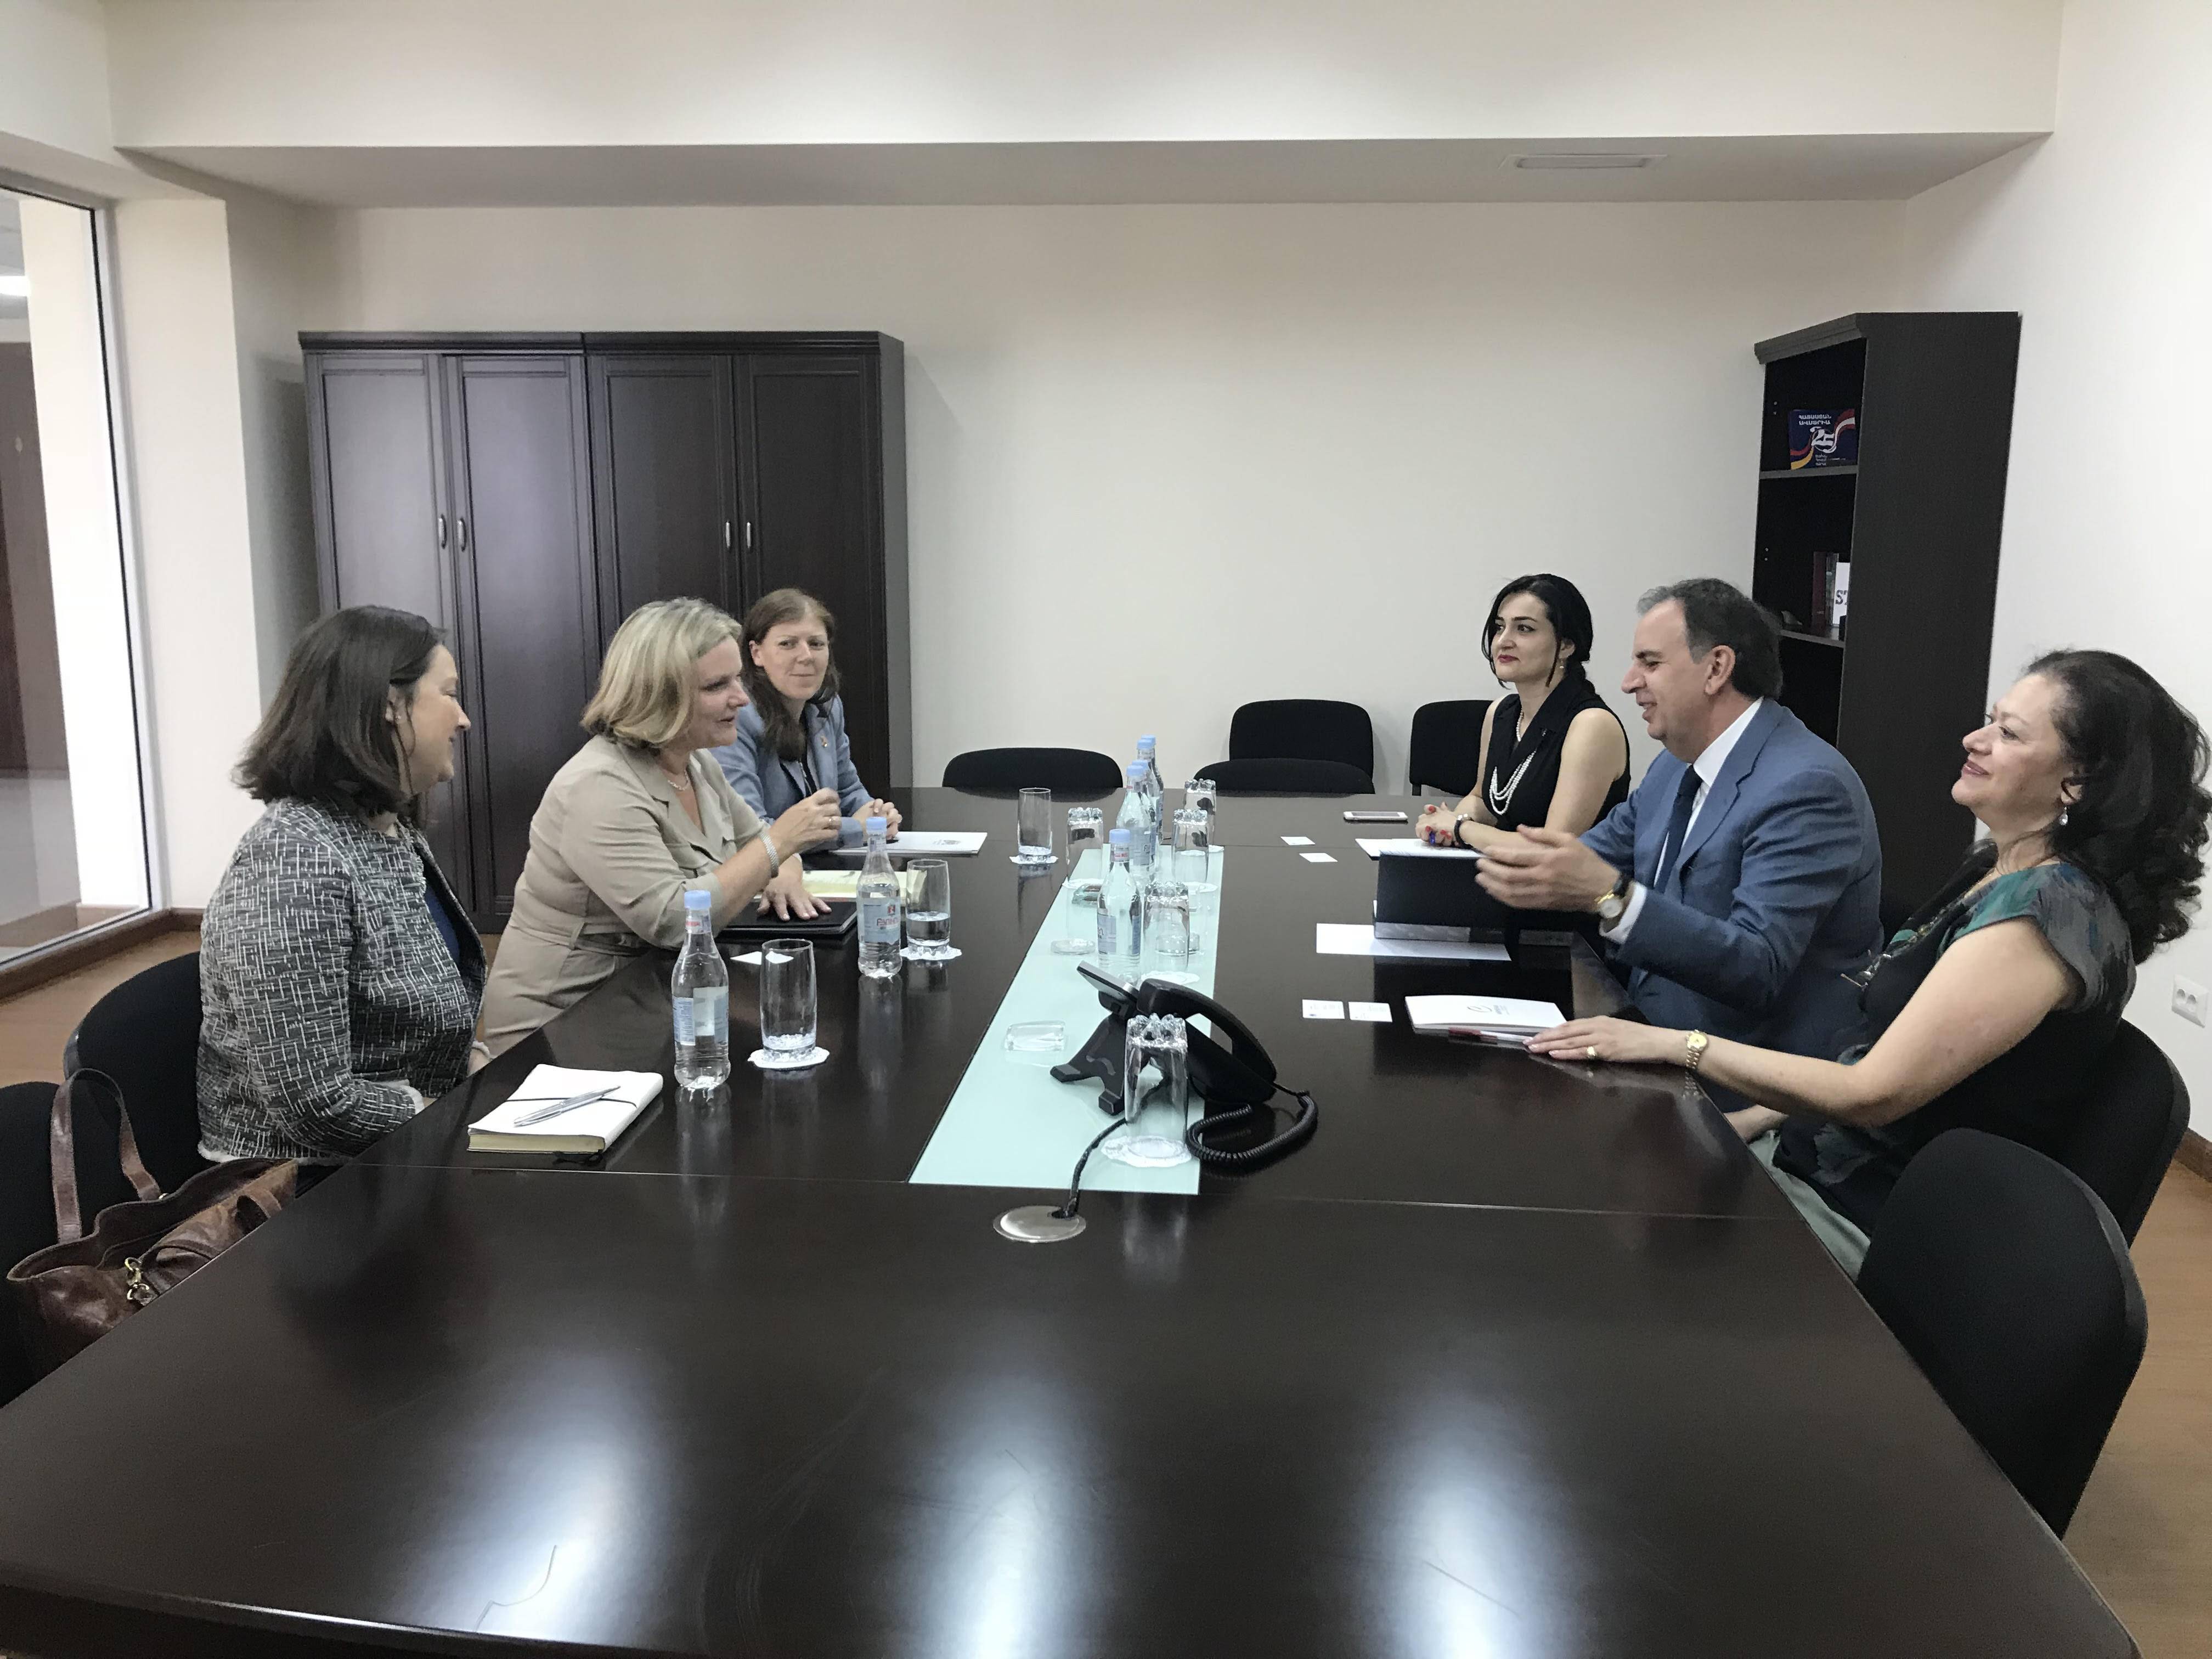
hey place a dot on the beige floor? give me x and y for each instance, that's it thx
(2144, 1533)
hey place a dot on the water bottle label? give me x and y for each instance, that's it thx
(710, 1013)
(686, 1035)
(879, 923)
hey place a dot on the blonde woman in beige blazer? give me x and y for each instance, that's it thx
(638, 817)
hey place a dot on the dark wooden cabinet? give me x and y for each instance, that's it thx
(665, 476)
(384, 525)
(528, 619)
(527, 492)
(1919, 516)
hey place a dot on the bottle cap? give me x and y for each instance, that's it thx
(1136, 774)
(877, 826)
(1148, 741)
(1118, 837)
(698, 898)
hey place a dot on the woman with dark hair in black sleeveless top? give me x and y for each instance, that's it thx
(1553, 755)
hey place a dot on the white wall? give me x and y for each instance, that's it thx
(84, 548)
(520, 72)
(283, 279)
(2101, 237)
(1163, 460)
(180, 351)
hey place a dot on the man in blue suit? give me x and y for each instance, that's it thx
(1741, 882)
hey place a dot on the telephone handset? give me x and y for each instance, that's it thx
(1241, 1077)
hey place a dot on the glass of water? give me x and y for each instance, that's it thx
(929, 912)
(787, 1005)
(1155, 1094)
(1086, 829)
(1033, 827)
(1168, 941)
(1201, 795)
(1193, 850)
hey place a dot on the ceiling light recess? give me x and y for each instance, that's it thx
(1584, 161)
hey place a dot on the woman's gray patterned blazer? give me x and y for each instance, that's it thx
(329, 1007)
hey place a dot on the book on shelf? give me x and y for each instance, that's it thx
(1823, 437)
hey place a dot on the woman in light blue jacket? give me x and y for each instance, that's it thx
(791, 737)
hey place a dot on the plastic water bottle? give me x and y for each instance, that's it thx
(878, 890)
(1155, 789)
(1137, 815)
(1121, 909)
(700, 989)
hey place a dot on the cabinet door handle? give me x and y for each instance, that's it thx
(441, 530)
(749, 535)
(725, 535)
(464, 526)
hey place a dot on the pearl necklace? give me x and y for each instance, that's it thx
(1501, 799)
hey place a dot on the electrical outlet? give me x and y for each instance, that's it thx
(2189, 999)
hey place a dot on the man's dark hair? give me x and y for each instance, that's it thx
(1715, 613)
(325, 738)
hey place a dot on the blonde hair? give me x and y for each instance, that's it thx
(648, 683)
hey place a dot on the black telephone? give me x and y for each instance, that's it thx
(1241, 1077)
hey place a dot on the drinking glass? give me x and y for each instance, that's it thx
(1202, 793)
(1155, 1094)
(929, 912)
(1168, 933)
(786, 1004)
(1033, 827)
(1193, 850)
(1086, 827)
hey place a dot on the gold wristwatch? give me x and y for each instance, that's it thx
(1695, 1043)
(1613, 901)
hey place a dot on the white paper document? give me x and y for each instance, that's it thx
(1318, 858)
(1505, 1016)
(928, 844)
(1411, 847)
(1349, 939)
(1375, 1013)
(1297, 840)
(1319, 1010)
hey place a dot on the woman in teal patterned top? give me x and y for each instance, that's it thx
(1994, 1006)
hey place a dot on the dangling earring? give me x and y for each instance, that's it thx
(2062, 817)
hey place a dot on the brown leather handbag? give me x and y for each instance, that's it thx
(84, 1284)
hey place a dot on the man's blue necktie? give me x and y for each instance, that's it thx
(1678, 827)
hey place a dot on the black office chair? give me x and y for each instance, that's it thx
(145, 1033)
(1288, 777)
(1075, 773)
(1303, 728)
(1446, 746)
(2008, 1281)
(2130, 1126)
(26, 1197)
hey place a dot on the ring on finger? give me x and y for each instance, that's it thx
(1590, 1053)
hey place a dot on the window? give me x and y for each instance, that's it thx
(72, 811)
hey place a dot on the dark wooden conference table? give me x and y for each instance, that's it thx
(1513, 1358)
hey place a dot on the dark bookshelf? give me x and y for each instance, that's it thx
(1920, 517)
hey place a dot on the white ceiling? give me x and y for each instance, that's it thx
(1881, 167)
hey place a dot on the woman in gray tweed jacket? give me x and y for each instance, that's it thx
(340, 977)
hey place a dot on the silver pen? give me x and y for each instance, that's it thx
(569, 1104)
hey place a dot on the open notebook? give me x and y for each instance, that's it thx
(590, 1129)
